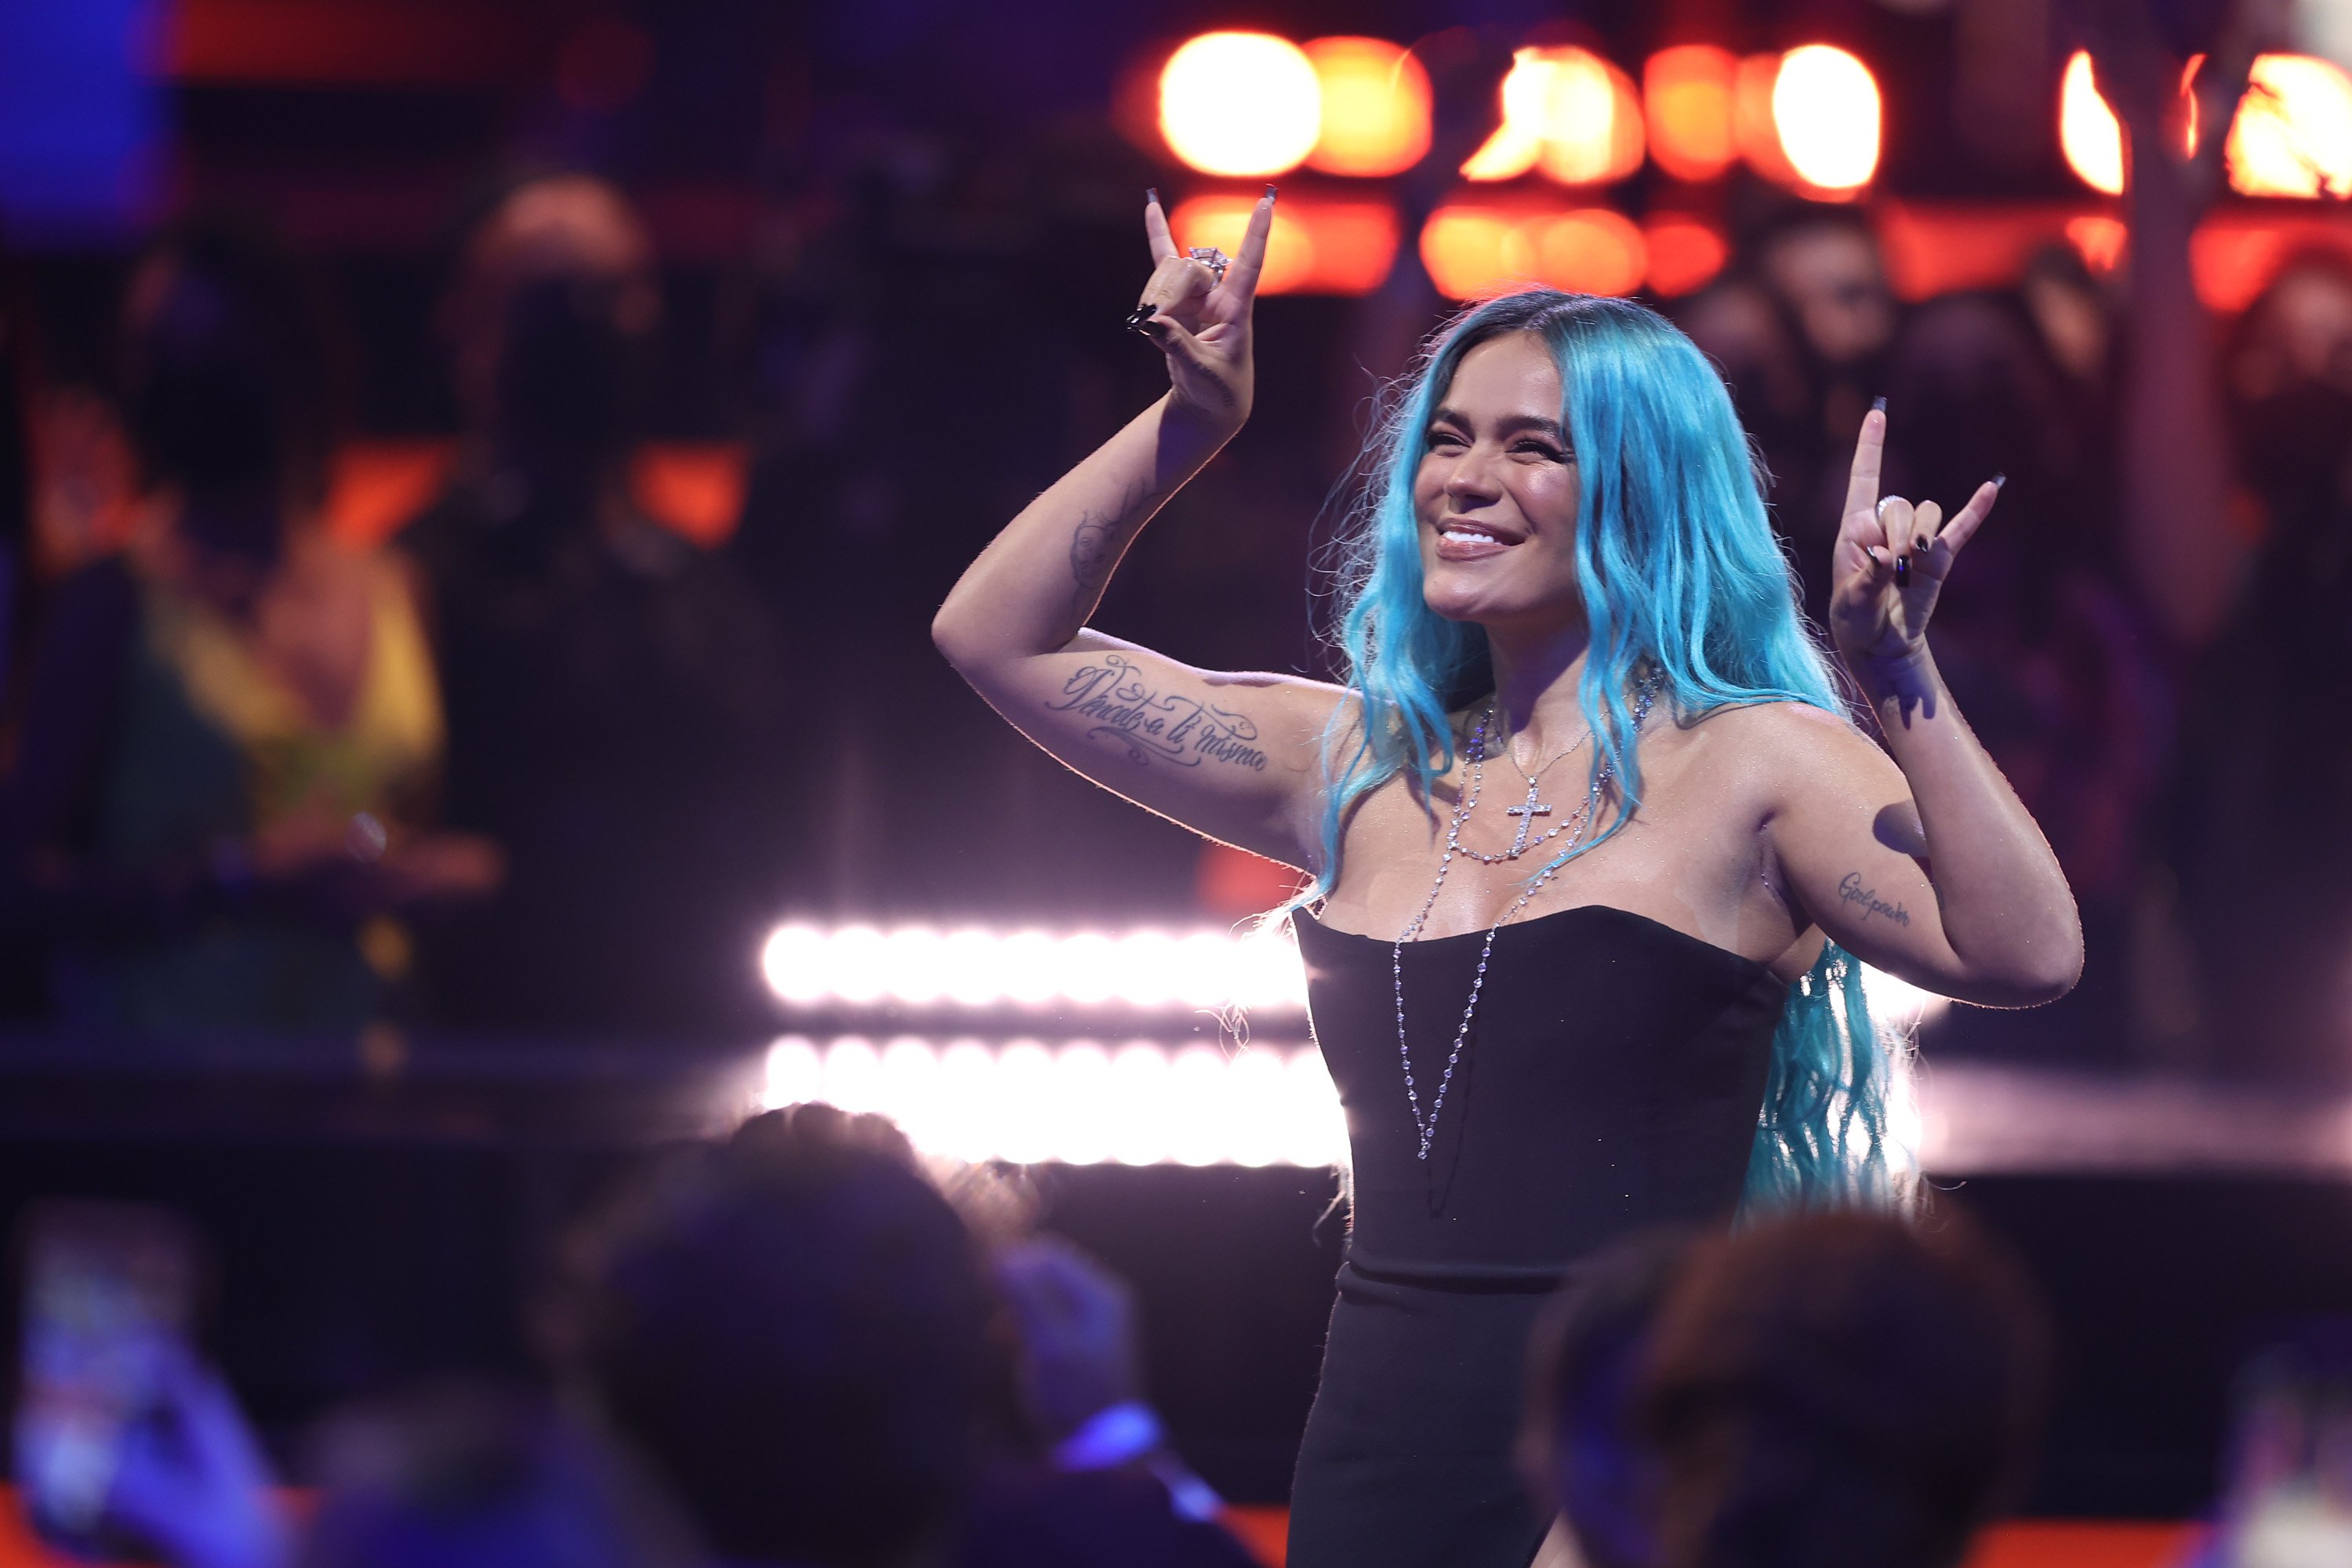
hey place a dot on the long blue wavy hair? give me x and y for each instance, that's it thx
(1682, 579)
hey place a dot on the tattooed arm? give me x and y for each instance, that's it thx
(1232, 756)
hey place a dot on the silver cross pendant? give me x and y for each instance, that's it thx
(1527, 814)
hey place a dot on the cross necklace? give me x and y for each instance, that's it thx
(1532, 807)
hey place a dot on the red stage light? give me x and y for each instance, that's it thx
(1688, 92)
(1376, 105)
(1686, 254)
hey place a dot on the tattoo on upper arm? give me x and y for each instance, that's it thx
(1851, 892)
(1173, 728)
(1094, 551)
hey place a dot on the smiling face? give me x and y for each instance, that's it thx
(1495, 493)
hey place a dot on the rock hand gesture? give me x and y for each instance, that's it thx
(1198, 311)
(1891, 560)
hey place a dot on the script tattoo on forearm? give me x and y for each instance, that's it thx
(1094, 551)
(1150, 724)
(1851, 892)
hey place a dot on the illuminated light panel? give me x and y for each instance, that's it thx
(1686, 254)
(1240, 104)
(2293, 133)
(1475, 253)
(1590, 251)
(1376, 107)
(863, 965)
(2088, 131)
(2099, 240)
(1317, 248)
(1752, 127)
(1138, 1103)
(1688, 92)
(1568, 111)
(1826, 109)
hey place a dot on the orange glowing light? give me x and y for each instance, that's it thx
(1475, 253)
(1752, 130)
(2099, 240)
(1570, 110)
(1688, 90)
(1375, 107)
(1825, 108)
(1240, 104)
(1686, 254)
(1316, 247)
(2293, 133)
(2088, 131)
(1590, 251)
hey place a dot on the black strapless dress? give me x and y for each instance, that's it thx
(1612, 1083)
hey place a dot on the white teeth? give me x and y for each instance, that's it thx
(1468, 536)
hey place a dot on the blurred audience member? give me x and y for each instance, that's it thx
(789, 1326)
(617, 696)
(191, 1482)
(468, 1476)
(233, 729)
(2288, 1499)
(1840, 1391)
(2263, 832)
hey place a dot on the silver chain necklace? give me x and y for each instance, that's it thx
(1532, 807)
(1581, 822)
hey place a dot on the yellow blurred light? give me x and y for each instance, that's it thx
(1376, 106)
(1686, 254)
(1474, 253)
(1568, 110)
(1825, 108)
(1689, 93)
(1240, 104)
(2293, 133)
(2089, 131)
(1221, 220)
(1590, 251)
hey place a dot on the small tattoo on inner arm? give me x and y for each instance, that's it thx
(1851, 892)
(1094, 551)
(1171, 727)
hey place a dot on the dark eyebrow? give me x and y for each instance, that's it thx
(1511, 425)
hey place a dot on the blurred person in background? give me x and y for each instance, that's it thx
(1816, 1391)
(789, 1327)
(617, 696)
(232, 736)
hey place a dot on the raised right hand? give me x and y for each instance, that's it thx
(1203, 325)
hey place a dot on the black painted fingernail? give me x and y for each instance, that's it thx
(1878, 405)
(1269, 190)
(1151, 196)
(1140, 315)
(1903, 571)
(1920, 546)
(1998, 480)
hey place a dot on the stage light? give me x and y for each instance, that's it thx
(2293, 133)
(1221, 220)
(1686, 254)
(1752, 127)
(859, 966)
(1240, 104)
(1474, 253)
(1898, 1003)
(1590, 251)
(2088, 131)
(1143, 1103)
(1376, 105)
(1825, 109)
(2099, 240)
(1568, 110)
(1687, 92)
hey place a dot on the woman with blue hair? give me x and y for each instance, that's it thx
(1617, 985)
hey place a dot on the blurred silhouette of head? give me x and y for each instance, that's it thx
(1578, 1447)
(2289, 373)
(227, 385)
(1841, 1390)
(1824, 262)
(554, 317)
(473, 1476)
(789, 1325)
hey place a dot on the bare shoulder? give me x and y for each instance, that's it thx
(1782, 745)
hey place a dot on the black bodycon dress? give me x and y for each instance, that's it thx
(1612, 1083)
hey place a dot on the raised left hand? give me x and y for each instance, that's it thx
(1891, 559)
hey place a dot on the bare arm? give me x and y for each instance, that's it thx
(1232, 756)
(1921, 860)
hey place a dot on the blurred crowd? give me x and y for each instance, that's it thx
(800, 1345)
(541, 766)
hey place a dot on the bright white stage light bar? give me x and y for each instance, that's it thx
(862, 966)
(1081, 1103)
